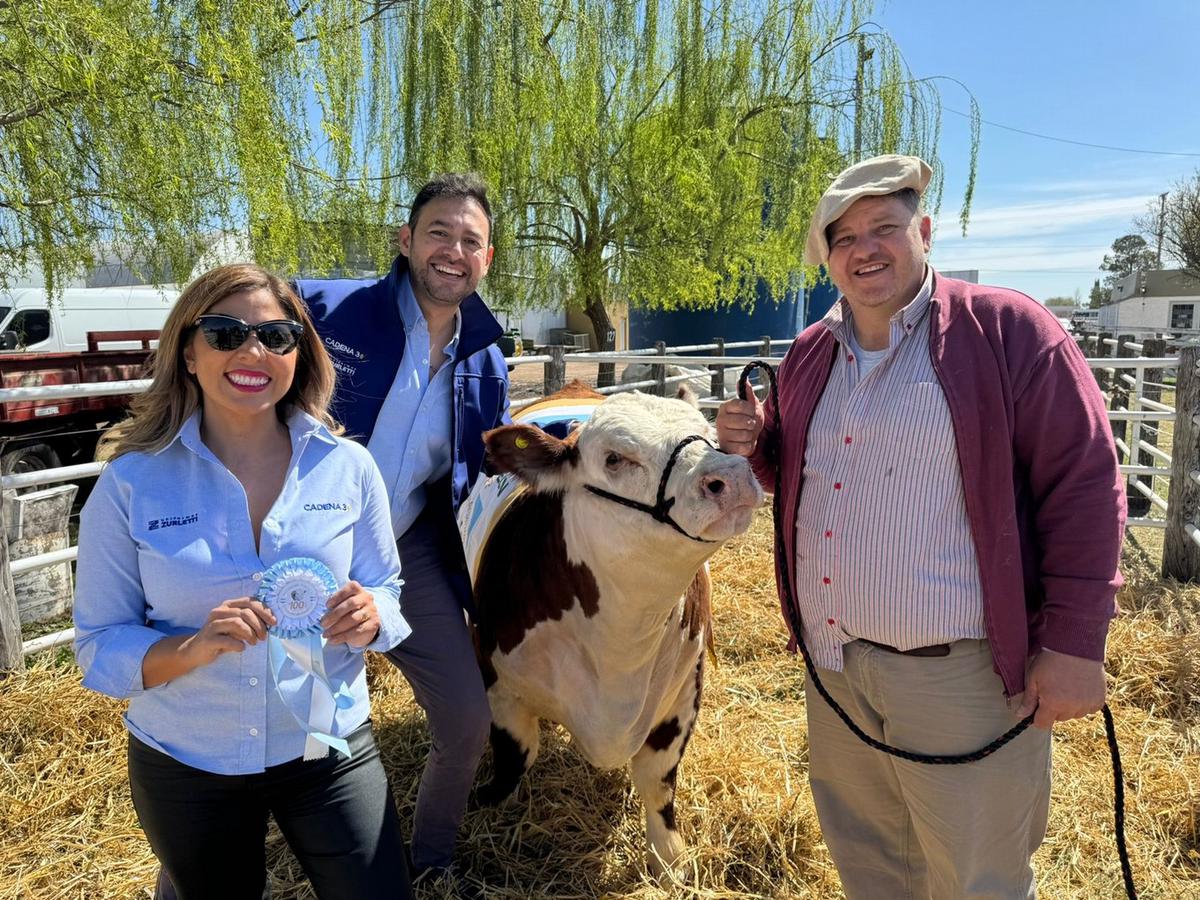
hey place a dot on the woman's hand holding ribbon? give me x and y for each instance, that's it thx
(228, 629)
(352, 618)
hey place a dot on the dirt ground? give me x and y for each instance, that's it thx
(528, 380)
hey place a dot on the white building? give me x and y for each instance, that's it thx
(1161, 300)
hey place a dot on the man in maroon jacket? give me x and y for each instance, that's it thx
(953, 516)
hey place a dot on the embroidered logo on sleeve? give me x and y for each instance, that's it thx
(172, 521)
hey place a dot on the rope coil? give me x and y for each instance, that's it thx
(797, 628)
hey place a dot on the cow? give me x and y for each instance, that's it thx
(592, 593)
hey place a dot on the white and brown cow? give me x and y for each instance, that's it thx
(594, 613)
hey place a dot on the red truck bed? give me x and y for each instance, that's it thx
(92, 366)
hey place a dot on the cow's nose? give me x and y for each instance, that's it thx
(713, 484)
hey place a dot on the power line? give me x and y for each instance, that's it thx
(969, 243)
(1073, 232)
(1050, 137)
(1092, 272)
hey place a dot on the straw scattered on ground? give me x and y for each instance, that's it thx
(67, 828)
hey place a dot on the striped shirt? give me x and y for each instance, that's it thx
(883, 546)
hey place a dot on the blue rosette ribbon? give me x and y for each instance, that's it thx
(296, 591)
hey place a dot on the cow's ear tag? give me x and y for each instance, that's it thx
(521, 442)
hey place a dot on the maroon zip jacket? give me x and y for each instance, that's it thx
(1045, 500)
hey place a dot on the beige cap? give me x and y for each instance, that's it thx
(871, 177)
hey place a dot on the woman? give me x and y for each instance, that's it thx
(228, 464)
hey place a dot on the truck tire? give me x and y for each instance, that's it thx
(29, 458)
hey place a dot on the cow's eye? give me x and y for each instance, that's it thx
(613, 459)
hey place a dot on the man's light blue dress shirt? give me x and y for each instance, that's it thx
(166, 537)
(411, 439)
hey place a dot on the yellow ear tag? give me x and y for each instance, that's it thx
(521, 443)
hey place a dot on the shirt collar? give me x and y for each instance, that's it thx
(411, 315)
(839, 316)
(299, 423)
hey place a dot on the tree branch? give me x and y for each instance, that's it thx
(566, 234)
(384, 6)
(540, 240)
(46, 202)
(37, 108)
(558, 20)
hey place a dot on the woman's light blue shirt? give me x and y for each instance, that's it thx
(166, 537)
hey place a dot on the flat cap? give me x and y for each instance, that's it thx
(871, 177)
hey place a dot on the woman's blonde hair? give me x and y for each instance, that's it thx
(157, 415)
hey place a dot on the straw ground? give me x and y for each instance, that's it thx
(67, 829)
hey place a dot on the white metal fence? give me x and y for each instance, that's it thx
(1133, 386)
(12, 649)
(1164, 469)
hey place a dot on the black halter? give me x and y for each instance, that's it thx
(661, 510)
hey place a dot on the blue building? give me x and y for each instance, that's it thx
(782, 321)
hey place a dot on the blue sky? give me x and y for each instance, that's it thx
(1115, 73)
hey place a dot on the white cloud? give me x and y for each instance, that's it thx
(1095, 186)
(1046, 218)
(1000, 259)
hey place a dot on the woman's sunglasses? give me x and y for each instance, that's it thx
(226, 333)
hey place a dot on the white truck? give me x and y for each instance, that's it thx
(29, 323)
(86, 335)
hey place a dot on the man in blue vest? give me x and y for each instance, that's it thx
(419, 380)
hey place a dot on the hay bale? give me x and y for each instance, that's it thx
(571, 832)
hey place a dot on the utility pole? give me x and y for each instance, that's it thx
(863, 55)
(1162, 217)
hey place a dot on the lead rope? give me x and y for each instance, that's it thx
(926, 759)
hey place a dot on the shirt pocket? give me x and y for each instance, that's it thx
(484, 394)
(917, 423)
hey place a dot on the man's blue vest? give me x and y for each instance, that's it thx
(360, 325)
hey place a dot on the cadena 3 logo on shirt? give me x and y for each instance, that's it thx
(327, 507)
(172, 521)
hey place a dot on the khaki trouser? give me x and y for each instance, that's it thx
(898, 829)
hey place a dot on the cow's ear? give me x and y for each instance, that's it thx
(540, 460)
(688, 396)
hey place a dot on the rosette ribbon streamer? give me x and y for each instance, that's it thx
(296, 591)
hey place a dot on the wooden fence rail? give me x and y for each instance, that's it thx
(1181, 547)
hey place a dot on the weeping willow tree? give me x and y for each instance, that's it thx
(142, 128)
(664, 154)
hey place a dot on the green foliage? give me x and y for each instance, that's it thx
(1060, 303)
(667, 153)
(1129, 254)
(143, 128)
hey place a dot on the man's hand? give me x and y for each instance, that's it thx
(739, 423)
(352, 618)
(1061, 687)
